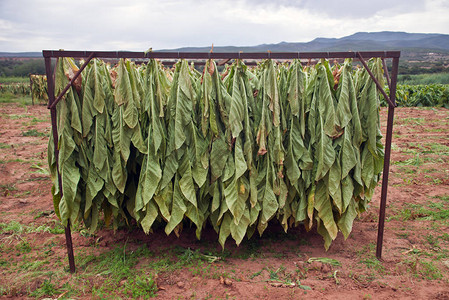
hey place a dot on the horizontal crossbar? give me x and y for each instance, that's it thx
(220, 55)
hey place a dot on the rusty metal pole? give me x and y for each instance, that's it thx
(54, 128)
(390, 120)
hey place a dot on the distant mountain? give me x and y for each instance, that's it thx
(20, 54)
(411, 45)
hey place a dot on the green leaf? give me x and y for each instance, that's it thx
(237, 109)
(70, 175)
(293, 155)
(324, 152)
(94, 185)
(163, 200)
(334, 184)
(269, 205)
(271, 91)
(123, 91)
(311, 204)
(367, 167)
(238, 230)
(183, 106)
(150, 216)
(99, 143)
(348, 158)
(178, 209)
(218, 158)
(56, 201)
(325, 260)
(235, 202)
(323, 206)
(347, 188)
(150, 176)
(121, 134)
(119, 172)
(240, 163)
(325, 103)
(345, 87)
(225, 229)
(186, 182)
(347, 219)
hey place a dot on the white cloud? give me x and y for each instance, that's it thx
(137, 25)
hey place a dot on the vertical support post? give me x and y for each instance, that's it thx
(383, 197)
(54, 128)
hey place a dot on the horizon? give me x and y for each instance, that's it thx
(241, 46)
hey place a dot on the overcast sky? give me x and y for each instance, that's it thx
(27, 25)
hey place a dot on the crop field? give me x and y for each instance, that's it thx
(127, 263)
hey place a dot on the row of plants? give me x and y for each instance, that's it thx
(18, 89)
(431, 95)
(39, 88)
(36, 87)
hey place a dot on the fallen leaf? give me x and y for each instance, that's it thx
(276, 284)
(227, 281)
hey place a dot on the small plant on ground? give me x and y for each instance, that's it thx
(34, 132)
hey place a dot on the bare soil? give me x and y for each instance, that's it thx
(415, 257)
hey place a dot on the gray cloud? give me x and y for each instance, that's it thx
(347, 8)
(27, 25)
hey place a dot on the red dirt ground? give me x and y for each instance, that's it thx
(415, 261)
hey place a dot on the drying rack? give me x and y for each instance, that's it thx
(227, 56)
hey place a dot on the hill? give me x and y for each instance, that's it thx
(13, 55)
(412, 45)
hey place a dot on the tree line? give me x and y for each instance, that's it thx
(21, 68)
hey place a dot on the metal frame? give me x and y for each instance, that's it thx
(361, 56)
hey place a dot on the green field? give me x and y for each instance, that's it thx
(14, 79)
(419, 79)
